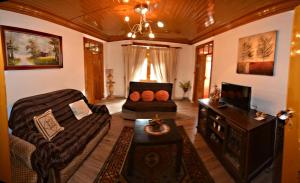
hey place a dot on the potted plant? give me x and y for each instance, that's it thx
(185, 86)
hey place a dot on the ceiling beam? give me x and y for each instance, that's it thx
(150, 45)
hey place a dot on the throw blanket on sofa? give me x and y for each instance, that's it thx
(65, 146)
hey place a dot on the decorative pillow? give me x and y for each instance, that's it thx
(135, 96)
(80, 109)
(162, 95)
(47, 125)
(147, 96)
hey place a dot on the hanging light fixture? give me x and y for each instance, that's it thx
(144, 25)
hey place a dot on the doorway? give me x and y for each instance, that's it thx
(93, 70)
(203, 66)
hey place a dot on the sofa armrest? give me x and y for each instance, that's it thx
(98, 108)
(21, 149)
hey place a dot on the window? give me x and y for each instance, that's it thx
(147, 73)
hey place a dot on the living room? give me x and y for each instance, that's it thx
(270, 93)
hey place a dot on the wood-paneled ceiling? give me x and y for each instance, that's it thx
(184, 19)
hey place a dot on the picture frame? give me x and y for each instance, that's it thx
(27, 49)
(256, 54)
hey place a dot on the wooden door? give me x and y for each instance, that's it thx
(291, 151)
(202, 52)
(199, 77)
(94, 71)
(5, 173)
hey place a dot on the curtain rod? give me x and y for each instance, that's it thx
(150, 45)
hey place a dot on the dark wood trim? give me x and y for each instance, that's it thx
(150, 45)
(36, 33)
(121, 38)
(251, 17)
(34, 12)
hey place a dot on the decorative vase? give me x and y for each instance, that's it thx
(110, 84)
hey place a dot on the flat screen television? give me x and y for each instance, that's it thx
(237, 95)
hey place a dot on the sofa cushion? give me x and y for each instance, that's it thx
(135, 96)
(147, 96)
(47, 125)
(80, 109)
(142, 86)
(140, 106)
(162, 95)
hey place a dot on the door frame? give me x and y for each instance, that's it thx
(5, 173)
(291, 160)
(196, 60)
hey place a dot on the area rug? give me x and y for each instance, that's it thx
(192, 171)
(179, 116)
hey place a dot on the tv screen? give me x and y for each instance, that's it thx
(237, 95)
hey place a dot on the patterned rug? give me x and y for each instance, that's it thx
(192, 171)
(179, 116)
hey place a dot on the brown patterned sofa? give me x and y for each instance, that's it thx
(134, 110)
(34, 159)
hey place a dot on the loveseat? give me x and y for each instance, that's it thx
(141, 109)
(35, 159)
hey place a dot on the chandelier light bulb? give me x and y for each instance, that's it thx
(144, 11)
(133, 36)
(151, 35)
(146, 25)
(127, 19)
(125, 1)
(160, 24)
(129, 34)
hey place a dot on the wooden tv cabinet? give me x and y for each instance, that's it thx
(242, 144)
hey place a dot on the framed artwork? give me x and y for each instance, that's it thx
(256, 54)
(27, 49)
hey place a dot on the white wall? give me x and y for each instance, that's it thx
(268, 92)
(115, 61)
(23, 83)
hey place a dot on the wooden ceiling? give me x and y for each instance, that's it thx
(184, 19)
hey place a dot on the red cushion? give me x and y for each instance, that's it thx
(162, 95)
(135, 96)
(147, 96)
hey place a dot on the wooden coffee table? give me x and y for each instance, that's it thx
(141, 138)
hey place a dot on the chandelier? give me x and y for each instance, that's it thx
(144, 25)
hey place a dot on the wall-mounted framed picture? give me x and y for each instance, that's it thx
(256, 54)
(28, 49)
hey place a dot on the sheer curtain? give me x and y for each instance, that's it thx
(164, 62)
(133, 57)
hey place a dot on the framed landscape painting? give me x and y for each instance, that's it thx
(256, 54)
(27, 49)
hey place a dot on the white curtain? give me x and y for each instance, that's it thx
(164, 62)
(133, 57)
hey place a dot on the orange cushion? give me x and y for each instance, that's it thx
(135, 96)
(147, 96)
(162, 95)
